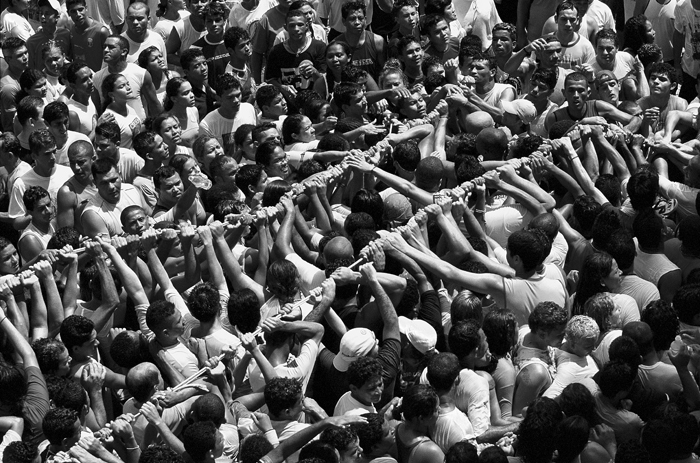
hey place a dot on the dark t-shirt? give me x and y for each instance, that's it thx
(284, 65)
(216, 56)
(36, 404)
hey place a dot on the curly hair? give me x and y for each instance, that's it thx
(419, 401)
(635, 33)
(537, 432)
(443, 370)
(59, 424)
(160, 453)
(20, 452)
(464, 338)
(364, 370)
(547, 316)
(576, 399)
(253, 448)
(663, 320)
(686, 302)
(48, 351)
(157, 313)
(339, 438)
(204, 302)
(581, 327)
(371, 432)
(199, 439)
(282, 394)
(244, 310)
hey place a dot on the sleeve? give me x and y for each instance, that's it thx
(17, 208)
(390, 357)
(260, 36)
(679, 22)
(141, 316)
(204, 129)
(478, 409)
(311, 276)
(36, 402)
(10, 436)
(305, 361)
(171, 295)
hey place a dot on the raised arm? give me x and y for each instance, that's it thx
(19, 342)
(110, 297)
(386, 308)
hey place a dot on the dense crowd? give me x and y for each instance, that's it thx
(332, 231)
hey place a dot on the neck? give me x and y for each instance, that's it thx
(657, 250)
(236, 62)
(540, 105)
(13, 165)
(85, 26)
(485, 87)
(650, 359)
(404, 31)
(138, 38)
(501, 60)
(119, 107)
(566, 38)
(166, 342)
(207, 328)
(15, 72)
(172, 14)
(214, 38)
(44, 172)
(149, 168)
(118, 67)
(660, 100)
(157, 77)
(197, 22)
(85, 182)
(353, 36)
(533, 341)
(81, 97)
(228, 113)
(442, 47)
(44, 227)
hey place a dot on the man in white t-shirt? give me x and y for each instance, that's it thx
(138, 35)
(223, 122)
(107, 140)
(102, 215)
(57, 120)
(46, 174)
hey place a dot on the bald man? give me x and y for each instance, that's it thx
(492, 145)
(477, 121)
(79, 189)
(143, 383)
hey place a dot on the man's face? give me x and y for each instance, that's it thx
(355, 21)
(413, 54)
(243, 49)
(550, 56)
(480, 71)
(137, 19)
(9, 260)
(660, 84)
(54, 61)
(171, 189)
(79, 14)
(576, 93)
(159, 151)
(135, 222)
(279, 166)
(63, 363)
(414, 107)
(81, 165)
(606, 51)
(408, 17)
(83, 81)
(198, 69)
(370, 392)
(278, 106)
(227, 173)
(297, 27)
(231, 99)
(88, 348)
(45, 158)
(555, 337)
(59, 129)
(43, 211)
(109, 186)
(309, 13)
(567, 21)
(358, 103)
(352, 453)
(502, 44)
(197, 6)
(105, 148)
(48, 18)
(440, 33)
(112, 52)
(583, 347)
(215, 25)
(18, 58)
(609, 91)
(540, 91)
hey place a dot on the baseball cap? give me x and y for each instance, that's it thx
(604, 76)
(355, 343)
(397, 208)
(52, 3)
(419, 333)
(524, 109)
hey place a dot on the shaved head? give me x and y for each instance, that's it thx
(143, 380)
(492, 144)
(477, 121)
(338, 248)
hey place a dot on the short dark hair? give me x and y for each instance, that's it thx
(47, 351)
(28, 107)
(144, 143)
(20, 452)
(127, 352)
(351, 7)
(188, 56)
(344, 93)
(443, 370)
(664, 68)
(663, 321)
(429, 22)
(464, 337)
(532, 246)
(266, 95)
(71, 396)
(161, 174)
(606, 33)
(281, 394)
(500, 328)
(547, 316)
(686, 302)
(157, 313)
(158, 453)
(33, 195)
(363, 370)
(227, 82)
(199, 439)
(109, 130)
(41, 139)
(264, 152)
(59, 424)
(615, 377)
(102, 167)
(209, 407)
(233, 36)
(76, 330)
(204, 302)
(648, 228)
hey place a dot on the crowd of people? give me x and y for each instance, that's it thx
(332, 231)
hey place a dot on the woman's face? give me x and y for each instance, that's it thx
(414, 107)
(185, 96)
(615, 318)
(171, 132)
(450, 13)
(122, 90)
(336, 58)
(212, 149)
(392, 81)
(306, 132)
(39, 89)
(54, 61)
(649, 33)
(309, 13)
(156, 62)
(248, 147)
(177, 4)
(613, 280)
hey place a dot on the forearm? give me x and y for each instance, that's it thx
(678, 43)
(54, 304)
(170, 439)
(691, 392)
(260, 276)
(97, 405)
(130, 280)
(386, 310)
(266, 368)
(612, 155)
(38, 316)
(158, 271)
(530, 203)
(533, 189)
(284, 235)
(216, 274)
(71, 290)
(20, 344)
(455, 240)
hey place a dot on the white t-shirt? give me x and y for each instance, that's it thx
(129, 164)
(570, 369)
(62, 154)
(503, 221)
(348, 405)
(51, 184)
(14, 25)
(152, 40)
(579, 52)
(135, 74)
(129, 126)
(642, 291)
(221, 128)
(452, 427)
(629, 311)
(687, 22)
(111, 213)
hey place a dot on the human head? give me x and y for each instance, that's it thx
(61, 427)
(237, 42)
(467, 341)
(30, 112)
(548, 323)
(14, 50)
(601, 308)
(38, 204)
(576, 89)
(159, 453)
(283, 397)
(649, 229)
(194, 64)
(482, 68)
(599, 273)
(527, 249)
(663, 79)
(56, 119)
(581, 335)
(501, 331)
(443, 371)
(129, 348)
(638, 31)
(52, 356)
(492, 144)
(642, 334)
(616, 378)
(272, 157)
(466, 305)
(204, 303)
(420, 404)
(537, 431)
(542, 83)
(9, 258)
(79, 336)
(203, 441)
(576, 399)
(663, 320)
(21, 452)
(271, 102)
(116, 49)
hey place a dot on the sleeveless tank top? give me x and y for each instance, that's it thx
(31, 230)
(366, 56)
(87, 115)
(405, 452)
